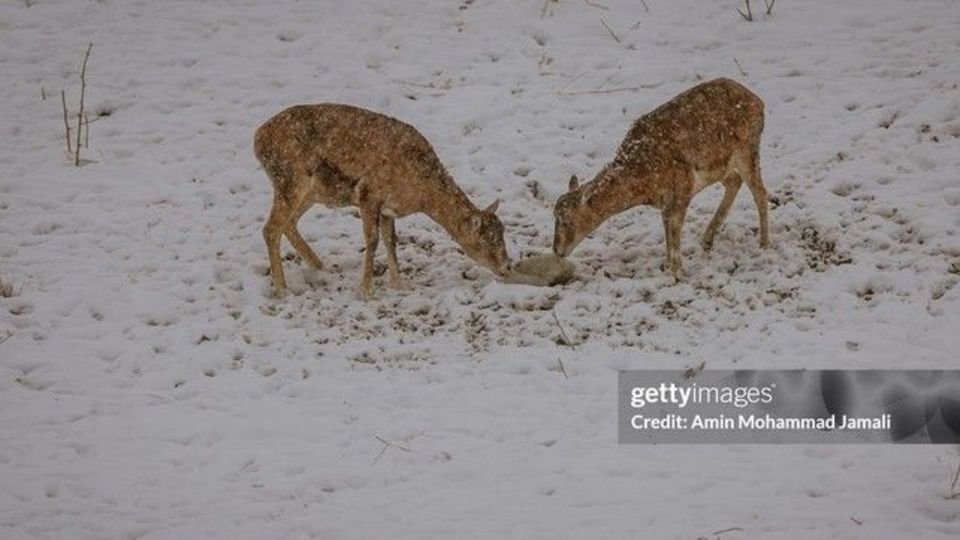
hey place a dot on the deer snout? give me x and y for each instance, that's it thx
(559, 249)
(504, 269)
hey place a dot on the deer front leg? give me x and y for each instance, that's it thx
(755, 183)
(272, 233)
(370, 214)
(673, 217)
(732, 186)
(389, 234)
(297, 241)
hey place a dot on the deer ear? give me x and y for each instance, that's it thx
(574, 183)
(493, 207)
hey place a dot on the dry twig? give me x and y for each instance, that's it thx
(596, 5)
(609, 90)
(722, 531)
(769, 4)
(953, 485)
(645, 6)
(388, 444)
(737, 62)
(546, 4)
(749, 14)
(615, 36)
(444, 85)
(692, 371)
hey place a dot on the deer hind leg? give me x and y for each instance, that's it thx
(731, 186)
(673, 217)
(389, 235)
(272, 233)
(370, 214)
(293, 235)
(752, 177)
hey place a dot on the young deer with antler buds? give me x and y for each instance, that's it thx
(708, 134)
(338, 155)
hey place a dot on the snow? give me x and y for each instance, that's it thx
(150, 386)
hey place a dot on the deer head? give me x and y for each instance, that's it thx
(573, 219)
(484, 240)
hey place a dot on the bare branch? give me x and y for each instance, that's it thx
(749, 14)
(769, 4)
(83, 91)
(596, 5)
(645, 6)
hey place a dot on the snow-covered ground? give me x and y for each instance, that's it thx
(151, 388)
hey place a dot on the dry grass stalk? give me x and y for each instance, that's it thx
(563, 332)
(66, 122)
(80, 114)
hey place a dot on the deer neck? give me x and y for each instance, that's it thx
(451, 209)
(612, 191)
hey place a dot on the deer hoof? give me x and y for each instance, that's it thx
(365, 292)
(400, 284)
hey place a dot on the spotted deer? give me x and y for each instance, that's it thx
(707, 134)
(338, 156)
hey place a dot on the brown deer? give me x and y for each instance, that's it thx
(709, 133)
(338, 155)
